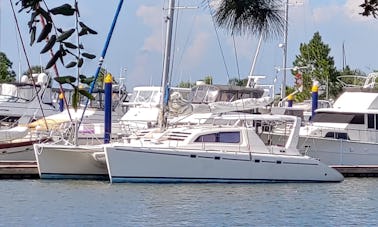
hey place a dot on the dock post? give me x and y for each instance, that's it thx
(108, 107)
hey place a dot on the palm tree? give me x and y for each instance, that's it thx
(259, 17)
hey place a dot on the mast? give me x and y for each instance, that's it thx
(249, 83)
(283, 89)
(166, 64)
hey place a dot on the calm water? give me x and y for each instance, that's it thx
(92, 203)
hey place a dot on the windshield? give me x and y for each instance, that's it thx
(203, 94)
(13, 93)
(145, 96)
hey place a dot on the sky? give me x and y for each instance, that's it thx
(200, 48)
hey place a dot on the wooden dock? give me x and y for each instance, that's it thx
(357, 171)
(18, 170)
(29, 170)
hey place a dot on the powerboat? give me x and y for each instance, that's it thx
(23, 102)
(346, 134)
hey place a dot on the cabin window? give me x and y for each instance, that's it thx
(376, 121)
(371, 121)
(246, 95)
(337, 135)
(211, 96)
(358, 119)
(221, 137)
(227, 96)
(339, 118)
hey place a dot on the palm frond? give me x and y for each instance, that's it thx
(251, 16)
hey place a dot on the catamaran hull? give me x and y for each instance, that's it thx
(159, 165)
(69, 162)
(340, 152)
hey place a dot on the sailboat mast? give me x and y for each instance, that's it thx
(166, 64)
(283, 89)
(249, 83)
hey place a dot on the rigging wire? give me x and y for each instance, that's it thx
(236, 56)
(19, 56)
(218, 39)
(186, 42)
(28, 63)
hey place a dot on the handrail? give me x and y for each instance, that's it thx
(355, 135)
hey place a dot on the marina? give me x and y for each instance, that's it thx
(194, 139)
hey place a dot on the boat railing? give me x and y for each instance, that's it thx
(8, 122)
(358, 81)
(355, 135)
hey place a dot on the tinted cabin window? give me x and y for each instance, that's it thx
(337, 135)
(358, 119)
(227, 96)
(229, 137)
(210, 138)
(376, 121)
(222, 137)
(370, 120)
(339, 118)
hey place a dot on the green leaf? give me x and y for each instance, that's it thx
(32, 19)
(71, 64)
(65, 9)
(80, 62)
(83, 31)
(45, 32)
(65, 35)
(49, 44)
(86, 94)
(32, 34)
(89, 56)
(88, 29)
(65, 79)
(82, 77)
(70, 45)
(45, 14)
(53, 60)
(85, 80)
(75, 98)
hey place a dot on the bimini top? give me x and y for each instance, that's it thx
(206, 93)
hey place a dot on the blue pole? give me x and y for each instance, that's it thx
(314, 100)
(61, 102)
(101, 60)
(108, 108)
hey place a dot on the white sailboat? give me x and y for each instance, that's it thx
(232, 153)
